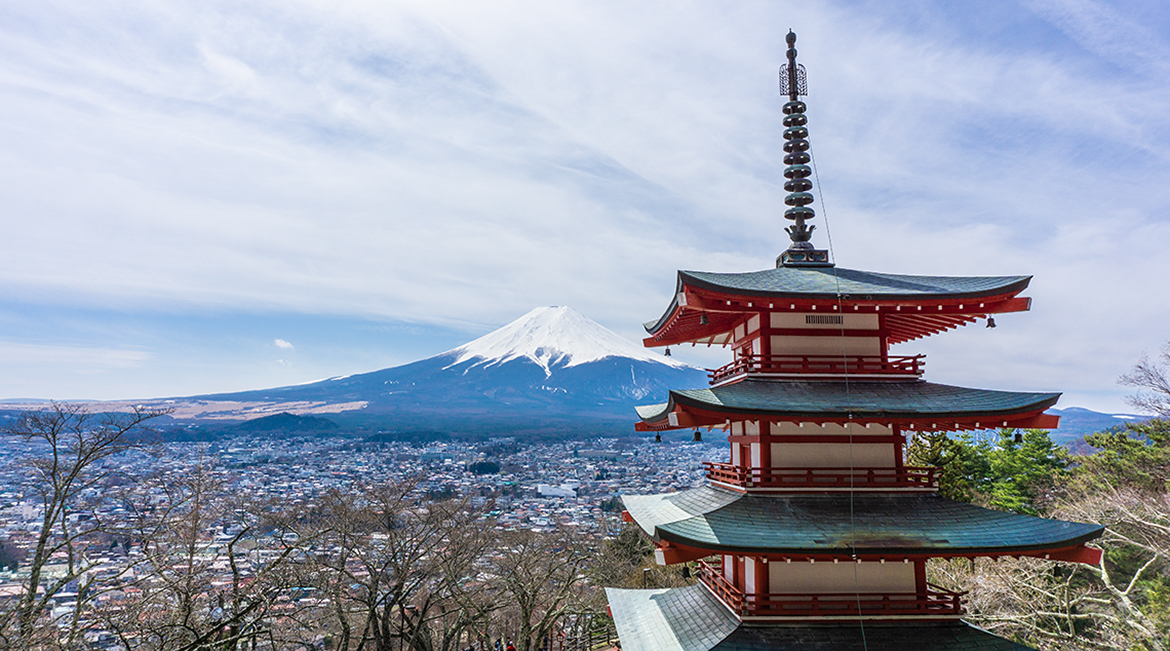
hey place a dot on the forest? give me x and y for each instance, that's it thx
(386, 566)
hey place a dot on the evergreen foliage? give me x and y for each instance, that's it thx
(997, 470)
(1137, 457)
(484, 468)
(9, 556)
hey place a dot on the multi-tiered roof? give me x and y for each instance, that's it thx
(816, 534)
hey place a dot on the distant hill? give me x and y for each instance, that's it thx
(288, 423)
(1076, 422)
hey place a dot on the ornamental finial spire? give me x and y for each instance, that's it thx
(794, 83)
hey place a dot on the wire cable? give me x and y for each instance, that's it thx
(849, 423)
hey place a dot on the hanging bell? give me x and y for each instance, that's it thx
(667, 353)
(990, 322)
(658, 438)
(703, 319)
(698, 436)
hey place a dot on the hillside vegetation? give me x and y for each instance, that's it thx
(1123, 483)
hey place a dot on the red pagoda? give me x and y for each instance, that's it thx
(816, 534)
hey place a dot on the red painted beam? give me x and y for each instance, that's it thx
(826, 332)
(816, 438)
(1077, 554)
(1081, 554)
(1040, 421)
(1015, 304)
(692, 417)
(672, 554)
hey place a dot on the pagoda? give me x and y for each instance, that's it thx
(816, 534)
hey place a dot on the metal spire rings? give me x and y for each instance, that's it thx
(793, 82)
(796, 150)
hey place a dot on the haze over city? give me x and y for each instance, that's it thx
(205, 197)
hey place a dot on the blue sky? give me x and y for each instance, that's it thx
(214, 196)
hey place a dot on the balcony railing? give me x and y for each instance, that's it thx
(937, 601)
(824, 364)
(814, 478)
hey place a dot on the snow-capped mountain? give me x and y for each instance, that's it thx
(552, 369)
(556, 336)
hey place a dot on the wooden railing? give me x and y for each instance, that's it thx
(812, 478)
(936, 601)
(827, 364)
(711, 574)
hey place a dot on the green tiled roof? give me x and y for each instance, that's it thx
(917, 399)
(891, 523)
(675, 619)
(825, 282)
(812, 282)
(690, 619)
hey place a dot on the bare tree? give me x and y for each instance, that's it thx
(541, 579)
(399, 570)
(626, 560)
(1153, 385)
(1073, 606)
(196, 590)
(68, 475)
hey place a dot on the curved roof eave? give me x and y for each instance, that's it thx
(825, 282)
(898, 400)
(654, 326)
(867, 523)
(650, 413)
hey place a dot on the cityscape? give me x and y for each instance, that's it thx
(538, 487)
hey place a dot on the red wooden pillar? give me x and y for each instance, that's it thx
(765, 335)
(760, 570)
(920, 577)
(765, 450)
(899, 447)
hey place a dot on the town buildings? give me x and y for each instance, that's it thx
(294, 473)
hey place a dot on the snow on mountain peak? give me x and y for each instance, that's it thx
(556, 335)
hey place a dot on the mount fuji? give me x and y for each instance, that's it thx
(552, 370)
(556, 337)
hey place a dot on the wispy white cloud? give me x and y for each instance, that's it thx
(32, 370)
(80, 357)
(454, 164)
(280, 343)
(1130, 40)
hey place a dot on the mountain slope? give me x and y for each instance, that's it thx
(552, 367)
(556, 336)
